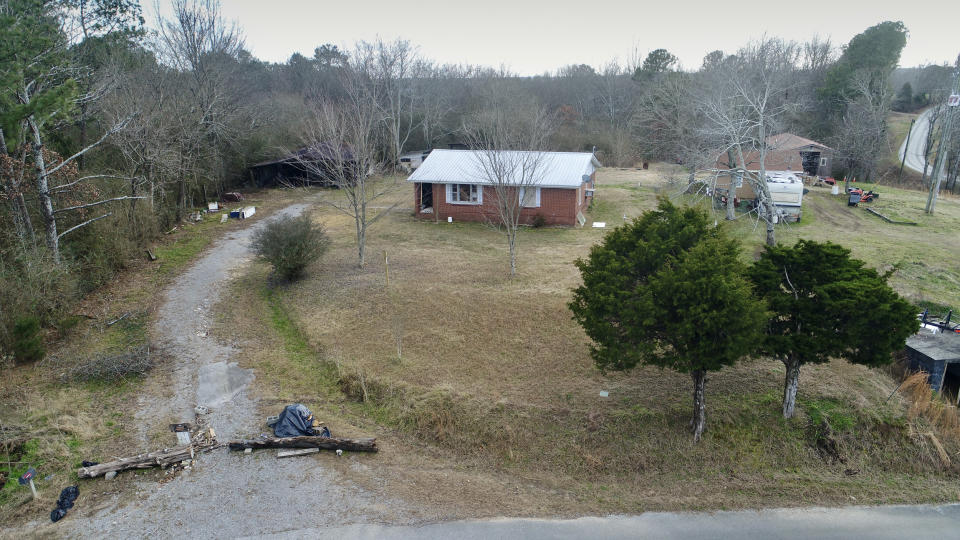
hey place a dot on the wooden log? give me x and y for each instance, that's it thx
(160, 458)
(292, 452)
(324, 443)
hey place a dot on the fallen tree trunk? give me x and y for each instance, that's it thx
(160, 458)
(325, 443)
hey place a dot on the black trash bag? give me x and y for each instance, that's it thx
(294, 421)
(86, 463)
(67, 497)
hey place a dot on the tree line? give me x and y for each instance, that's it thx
(111, 133)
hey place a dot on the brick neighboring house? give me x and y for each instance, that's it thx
(451, 183)
(787, 153)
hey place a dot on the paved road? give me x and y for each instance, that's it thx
(879, 523)
(918, 138)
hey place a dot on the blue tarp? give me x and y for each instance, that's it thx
(294, 421)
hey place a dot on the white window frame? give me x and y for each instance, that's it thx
(536, 203)
(823, 162)
(479, 200)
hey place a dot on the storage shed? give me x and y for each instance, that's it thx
(937, 354)
(308, 165)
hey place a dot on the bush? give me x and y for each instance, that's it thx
(539, 221)
(27, 340)
(112, 367)
(290, 244)
(32, 286)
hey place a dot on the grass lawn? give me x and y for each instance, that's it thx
(483, 394)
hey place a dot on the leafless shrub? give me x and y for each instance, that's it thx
(135, 362)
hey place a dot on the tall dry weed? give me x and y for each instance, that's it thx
(931, 407)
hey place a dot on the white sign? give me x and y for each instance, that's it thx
(953, 100)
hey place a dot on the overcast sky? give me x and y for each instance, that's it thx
(534, 36)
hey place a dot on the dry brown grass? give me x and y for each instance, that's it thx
(495, 376)
(931, 407)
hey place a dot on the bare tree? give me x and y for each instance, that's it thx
(744, 105)
(340, 144)
(203, 48)
(864, 129)
(935, 116)
(510, 139)
(391, 66)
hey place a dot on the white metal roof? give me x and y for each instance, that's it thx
(558, 169)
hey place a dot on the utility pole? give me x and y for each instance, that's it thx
(944, 146)
(906, 148)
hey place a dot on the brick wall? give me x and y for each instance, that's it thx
(558, 206)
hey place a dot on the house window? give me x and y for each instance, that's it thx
(530, 197)
(464, 194)
(823, 162)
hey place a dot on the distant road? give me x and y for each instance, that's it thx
(874, 522)
(917, 138)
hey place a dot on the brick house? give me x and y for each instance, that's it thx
(786, 152)
(451, 183)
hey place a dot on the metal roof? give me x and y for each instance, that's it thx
(944, 346)
(559, 169)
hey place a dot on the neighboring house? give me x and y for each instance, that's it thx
(304, 166)
(789, 152)
(451, 183)
(411, 160)
(789, 158)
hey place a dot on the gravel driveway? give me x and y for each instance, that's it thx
(225, 494)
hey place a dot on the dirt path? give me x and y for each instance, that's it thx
(224, 494)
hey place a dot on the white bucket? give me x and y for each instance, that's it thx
(835, 190)
(449, 219)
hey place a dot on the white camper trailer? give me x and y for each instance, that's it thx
(786, 189)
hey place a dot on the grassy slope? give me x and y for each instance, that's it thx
(497, 378)
(70, 422)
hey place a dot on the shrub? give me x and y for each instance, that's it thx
(112, 367)
(290, 244)
(27, 340)
(539, 221)
(32, 286)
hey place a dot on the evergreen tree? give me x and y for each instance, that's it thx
(904, 100)
(668, 290)
(657, 61)
(826, 305)
(874, 52)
